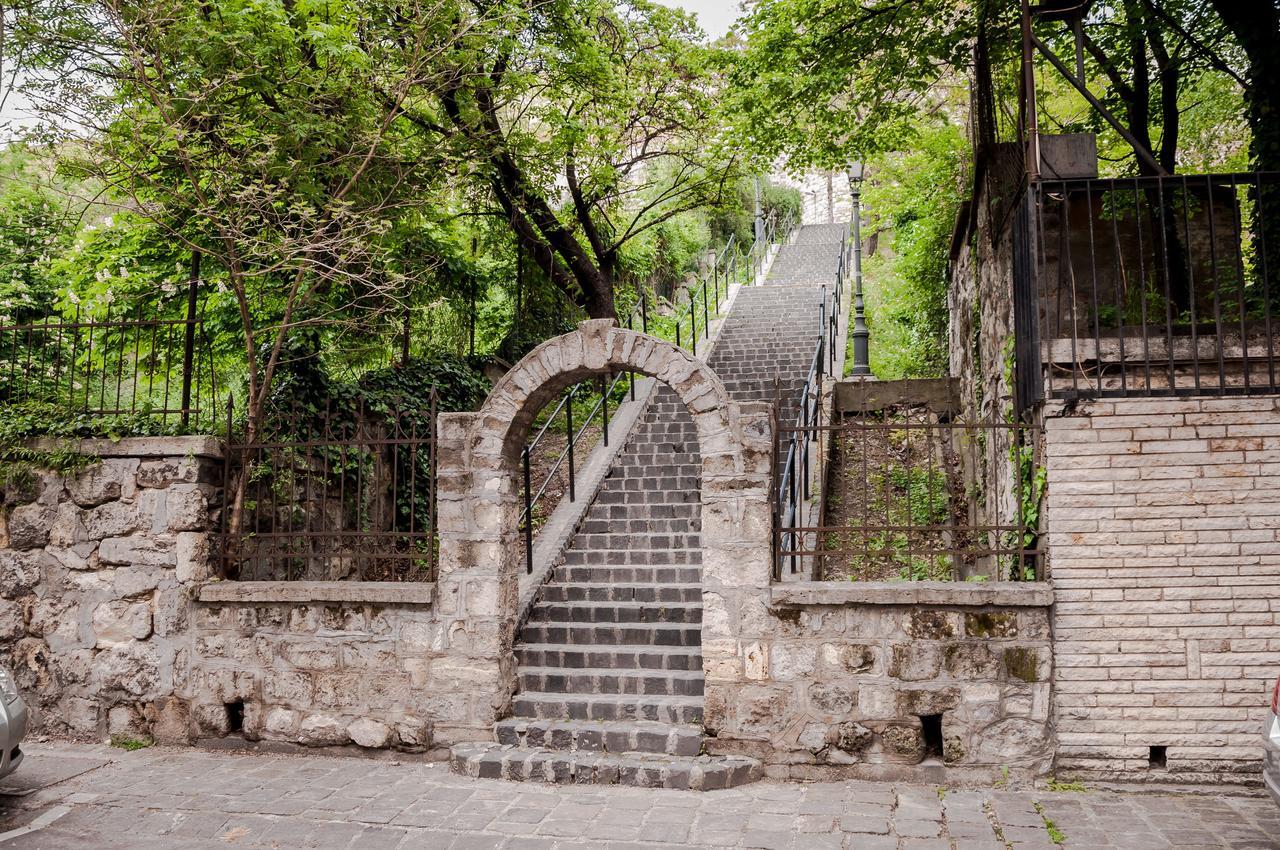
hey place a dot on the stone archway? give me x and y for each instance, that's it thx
(478, 509)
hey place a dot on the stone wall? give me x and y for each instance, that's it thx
(279, 661)
(839, 685)
(1162, 529)
(96, 572)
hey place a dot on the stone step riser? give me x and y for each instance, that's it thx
(605, 613)
(684, 519)
(636, 541)
(658, 709)
(597, 682)
(646, 526)
(637, 497)
(623, 574)
(633, 557)
(654, 595)
(520, 764)
(600, 737)
(604, 658)
(612, 635)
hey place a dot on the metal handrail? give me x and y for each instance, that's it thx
(788, 493)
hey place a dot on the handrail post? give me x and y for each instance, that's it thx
(528, 514)
(604, 410)
(189, 342)
(568, 422)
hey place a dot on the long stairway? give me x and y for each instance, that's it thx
(610, 660)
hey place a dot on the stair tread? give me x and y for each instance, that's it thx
(623, 603)
(604, 725)
(649, 699)
(643, 769)
(611, 647)
(689, 675)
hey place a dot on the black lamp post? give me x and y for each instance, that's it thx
(861, 336)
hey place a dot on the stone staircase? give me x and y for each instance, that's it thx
(610, 661)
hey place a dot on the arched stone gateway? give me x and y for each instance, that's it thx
(478, 509)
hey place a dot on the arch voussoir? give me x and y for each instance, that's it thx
(478, 466)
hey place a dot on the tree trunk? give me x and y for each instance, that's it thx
(1256, 25)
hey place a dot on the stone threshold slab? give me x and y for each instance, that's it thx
(267, 592)
(1008, 594)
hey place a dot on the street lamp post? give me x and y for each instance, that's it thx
(861, 336)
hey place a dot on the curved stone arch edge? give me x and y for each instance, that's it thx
(478, 507)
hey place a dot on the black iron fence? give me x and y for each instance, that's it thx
(1149, 286)
(797, 424)
(908, 495)
(124, 363)
(346, 492)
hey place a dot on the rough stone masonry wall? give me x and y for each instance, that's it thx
(840, 686)
(318, 673)
(96, 572)
(1162, 524)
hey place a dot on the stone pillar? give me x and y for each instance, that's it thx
(476, 583)
(736, 525)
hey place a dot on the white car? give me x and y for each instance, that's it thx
(13, 723)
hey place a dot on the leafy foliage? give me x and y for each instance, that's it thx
(913, 195)
(827, 82)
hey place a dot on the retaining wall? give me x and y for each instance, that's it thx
(1162, 523)
(847, 675)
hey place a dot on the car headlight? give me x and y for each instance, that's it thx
(8, 687)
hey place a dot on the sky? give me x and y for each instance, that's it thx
(714, 16)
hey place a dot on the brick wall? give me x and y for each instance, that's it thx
(1162, 522)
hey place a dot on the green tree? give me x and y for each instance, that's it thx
(267, 138)
(828, 82)
(585, 122)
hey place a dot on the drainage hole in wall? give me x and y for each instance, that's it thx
(931, 732)
(235, 716)
(1159, 758)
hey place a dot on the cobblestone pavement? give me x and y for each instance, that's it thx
(95, 797)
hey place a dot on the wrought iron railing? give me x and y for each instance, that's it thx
(910, 495)
(124, 363)
(346, 492)
(794, 438)
(1148, 286)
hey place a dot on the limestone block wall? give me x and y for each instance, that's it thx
(318, 672)
(96, 573)
(1162, 521)
(846, 672)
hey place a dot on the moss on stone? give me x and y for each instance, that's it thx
(930, 625)
(1022, 663)
(991, 624)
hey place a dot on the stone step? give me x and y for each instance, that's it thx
(559, 706)
(626, 574)
(582, 634)
(622, 613)
(611, 657)
(646, 593)
(642, 770)
(689, 513)
(634, 557)
(653, 483)
(660, 541)
(600, 680)
(610, 736)
(639, 524)
(651, 497)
